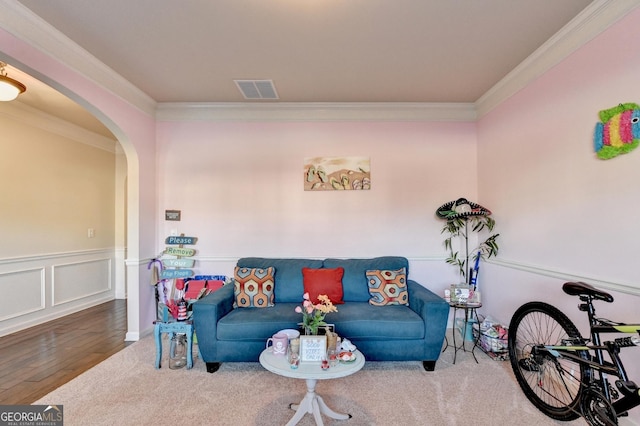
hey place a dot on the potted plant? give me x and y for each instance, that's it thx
(462, 218)
(313, 314)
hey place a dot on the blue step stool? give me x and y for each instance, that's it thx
(173, 328)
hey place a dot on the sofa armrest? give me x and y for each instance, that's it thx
(221, 300)
(433, 310)
(206, 314)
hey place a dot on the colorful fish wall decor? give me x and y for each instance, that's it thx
(618, 132)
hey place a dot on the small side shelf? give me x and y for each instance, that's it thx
(470, 313)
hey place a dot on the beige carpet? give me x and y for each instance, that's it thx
(127, 390)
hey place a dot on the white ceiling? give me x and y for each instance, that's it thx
(428, 51)
(313, 50)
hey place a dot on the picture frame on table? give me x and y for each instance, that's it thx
(313, 348)
(460, 293)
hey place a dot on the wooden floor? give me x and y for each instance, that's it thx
(35, 361)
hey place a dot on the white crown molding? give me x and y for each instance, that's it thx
(21, 22)
(316, 111)
(593, 20)
(35, 118)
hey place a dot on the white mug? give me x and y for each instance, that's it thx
(279, 344)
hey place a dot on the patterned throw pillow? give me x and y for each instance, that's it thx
(253, 287)
(388, 287)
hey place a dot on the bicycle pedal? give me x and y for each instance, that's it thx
(627, 388)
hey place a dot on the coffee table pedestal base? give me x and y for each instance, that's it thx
(313, 403)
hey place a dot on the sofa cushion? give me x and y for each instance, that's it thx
(355, 321)
(255, 324)
(354, 281)
(388, 287)
(288, 278)
(327, 281)
(253, 287)
(362, 321)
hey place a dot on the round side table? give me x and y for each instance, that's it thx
(311, 372)
(470, 313)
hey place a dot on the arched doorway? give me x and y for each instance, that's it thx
(53, 97)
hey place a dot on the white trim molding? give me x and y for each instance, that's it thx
(316, 111)
(600, 282)
(36, 305)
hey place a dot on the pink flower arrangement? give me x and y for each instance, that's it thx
(313, 314)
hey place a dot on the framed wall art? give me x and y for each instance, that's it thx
(337, 173)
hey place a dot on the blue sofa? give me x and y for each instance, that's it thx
(382, 333)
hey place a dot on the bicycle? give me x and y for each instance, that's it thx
(566, 375)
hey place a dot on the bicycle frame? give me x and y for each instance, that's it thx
(596, 360)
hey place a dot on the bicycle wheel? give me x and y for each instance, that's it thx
(553, 384)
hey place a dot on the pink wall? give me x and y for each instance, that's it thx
(562, 213)
(559, 208)
(240, 189)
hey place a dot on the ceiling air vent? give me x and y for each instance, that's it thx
(257, 89)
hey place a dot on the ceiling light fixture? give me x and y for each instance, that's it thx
(9, 88)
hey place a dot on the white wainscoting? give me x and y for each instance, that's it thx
(38, 289)
(23, 292)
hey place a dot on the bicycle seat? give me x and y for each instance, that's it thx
(584, 289)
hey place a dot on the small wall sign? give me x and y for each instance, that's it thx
(170, 274)
(172, 215)
(312, 348)
(178, 263)
(178, 251)
(180, 240)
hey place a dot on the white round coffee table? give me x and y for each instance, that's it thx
(311, 372)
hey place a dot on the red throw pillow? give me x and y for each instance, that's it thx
(323, 281)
